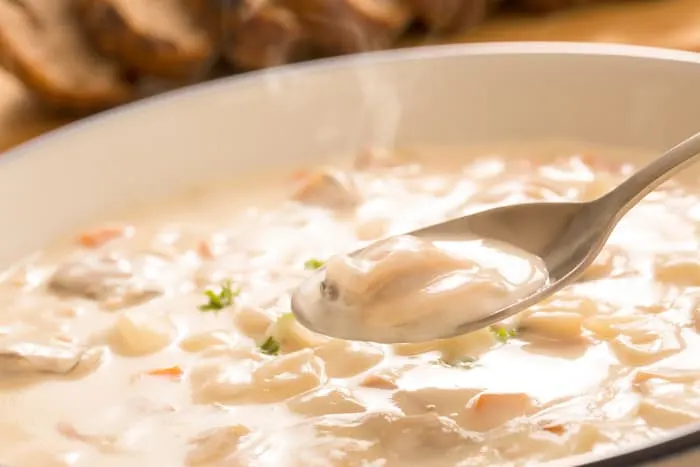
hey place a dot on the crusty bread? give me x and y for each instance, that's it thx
(259, 34)
(544, 6)
(42, 45)
(348, 26)
(161, 38)
(446, 16)
(76, 54)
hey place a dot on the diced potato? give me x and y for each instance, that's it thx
(253, 322)
(380, 381)
(387, 377)
(646, 341)
(286, 376)
(407, 438)
(411, 436)
(491, 401)
(557, 440)
(206, 340)
(449, 402)
(569, 302)
(673, 375)
(214, 445)
(665, 416)
(137, 332)
(607, 327)
(257, 379)
(583, 438)
(226, 375)
(680, 270)
(488, 410)
(472, 344)
(293, 336)
(345, 358)
(325, 401)
(559, 325)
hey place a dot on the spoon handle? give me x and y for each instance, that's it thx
(620, 200)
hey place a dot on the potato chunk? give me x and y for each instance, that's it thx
(206, 340)
(325, 401)
(214, 445)
(140, 332)
(253, 379)
(345, 358)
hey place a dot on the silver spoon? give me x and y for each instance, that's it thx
(566, 236)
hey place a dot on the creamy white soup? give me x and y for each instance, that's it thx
(410, 289)
(163, 336)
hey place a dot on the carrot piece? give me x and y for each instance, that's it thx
(174, 372)
(205, 249)
(97, 237)
(555, 429)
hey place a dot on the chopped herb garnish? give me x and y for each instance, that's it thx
(221, 300)
(313, 263)
(464, 362)
(270, 346)
(503, 334)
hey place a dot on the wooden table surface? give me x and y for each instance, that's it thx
(661, 23)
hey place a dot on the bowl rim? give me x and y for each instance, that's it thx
(366, 58)
(677, 442)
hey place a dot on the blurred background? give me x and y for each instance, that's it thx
(62, 60)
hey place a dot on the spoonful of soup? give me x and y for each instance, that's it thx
(470, 272)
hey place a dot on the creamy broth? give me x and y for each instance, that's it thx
(406, 289)
(163, 337)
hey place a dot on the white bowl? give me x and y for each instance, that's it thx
(610, 94)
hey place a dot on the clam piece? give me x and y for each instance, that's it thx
(24, 357)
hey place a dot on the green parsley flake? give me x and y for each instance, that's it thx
(313, 263)
(270, 346)
(503, 334)
(221, 300)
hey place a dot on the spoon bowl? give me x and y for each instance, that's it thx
(567, 237)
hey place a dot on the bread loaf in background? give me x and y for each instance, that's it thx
(82, 56)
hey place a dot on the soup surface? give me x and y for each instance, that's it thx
(163, 337)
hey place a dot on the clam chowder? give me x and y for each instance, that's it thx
(162, 336)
